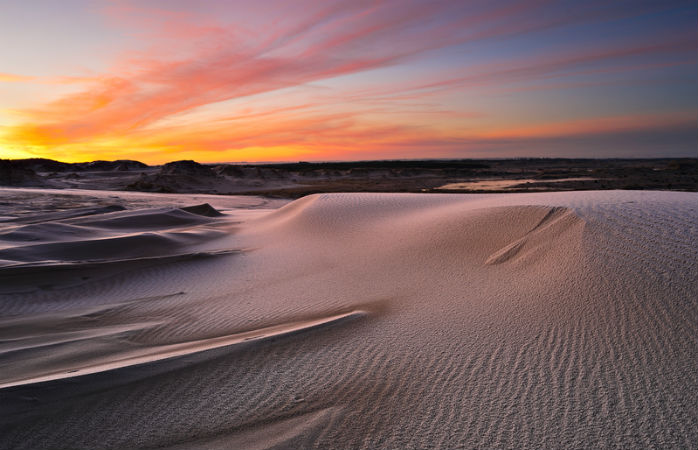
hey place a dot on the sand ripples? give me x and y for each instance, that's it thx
(529, 321)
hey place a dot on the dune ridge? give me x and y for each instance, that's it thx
(150, 354)
(105, 234)
(557, 320)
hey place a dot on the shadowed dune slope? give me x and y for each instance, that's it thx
(558, 320)
(102, 235)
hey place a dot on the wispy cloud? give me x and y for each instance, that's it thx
(14, 78)
(192, 61)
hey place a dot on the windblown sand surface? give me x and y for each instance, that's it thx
(349, 321)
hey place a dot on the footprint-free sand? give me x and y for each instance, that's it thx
(357, 321)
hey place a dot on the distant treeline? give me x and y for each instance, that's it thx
(49, 165)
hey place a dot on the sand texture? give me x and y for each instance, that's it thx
(348, 321)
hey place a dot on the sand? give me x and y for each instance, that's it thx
(546, 320)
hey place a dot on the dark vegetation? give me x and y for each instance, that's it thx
(302, 178)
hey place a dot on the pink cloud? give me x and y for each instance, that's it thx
(192, 60)
(615, 59)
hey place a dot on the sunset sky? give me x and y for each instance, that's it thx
(223, 81)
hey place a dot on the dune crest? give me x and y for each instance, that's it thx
(106, 234)
(354, 321)
(555, 222)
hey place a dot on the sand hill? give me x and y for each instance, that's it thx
(556, 320)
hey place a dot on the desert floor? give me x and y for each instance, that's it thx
(364, 320)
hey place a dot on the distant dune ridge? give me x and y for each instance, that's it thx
(543, 320)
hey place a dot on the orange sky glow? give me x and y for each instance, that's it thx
(158, 81)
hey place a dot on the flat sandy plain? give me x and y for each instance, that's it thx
(535, 320)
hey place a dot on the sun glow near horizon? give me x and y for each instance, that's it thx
(158, 81)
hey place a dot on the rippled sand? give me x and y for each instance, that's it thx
(349, 321)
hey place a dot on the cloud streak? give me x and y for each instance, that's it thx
(14, 78)
(222, 60)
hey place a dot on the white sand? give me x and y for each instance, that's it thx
(351, 321)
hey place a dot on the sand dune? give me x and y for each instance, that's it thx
(108, 236)
(556, 320)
